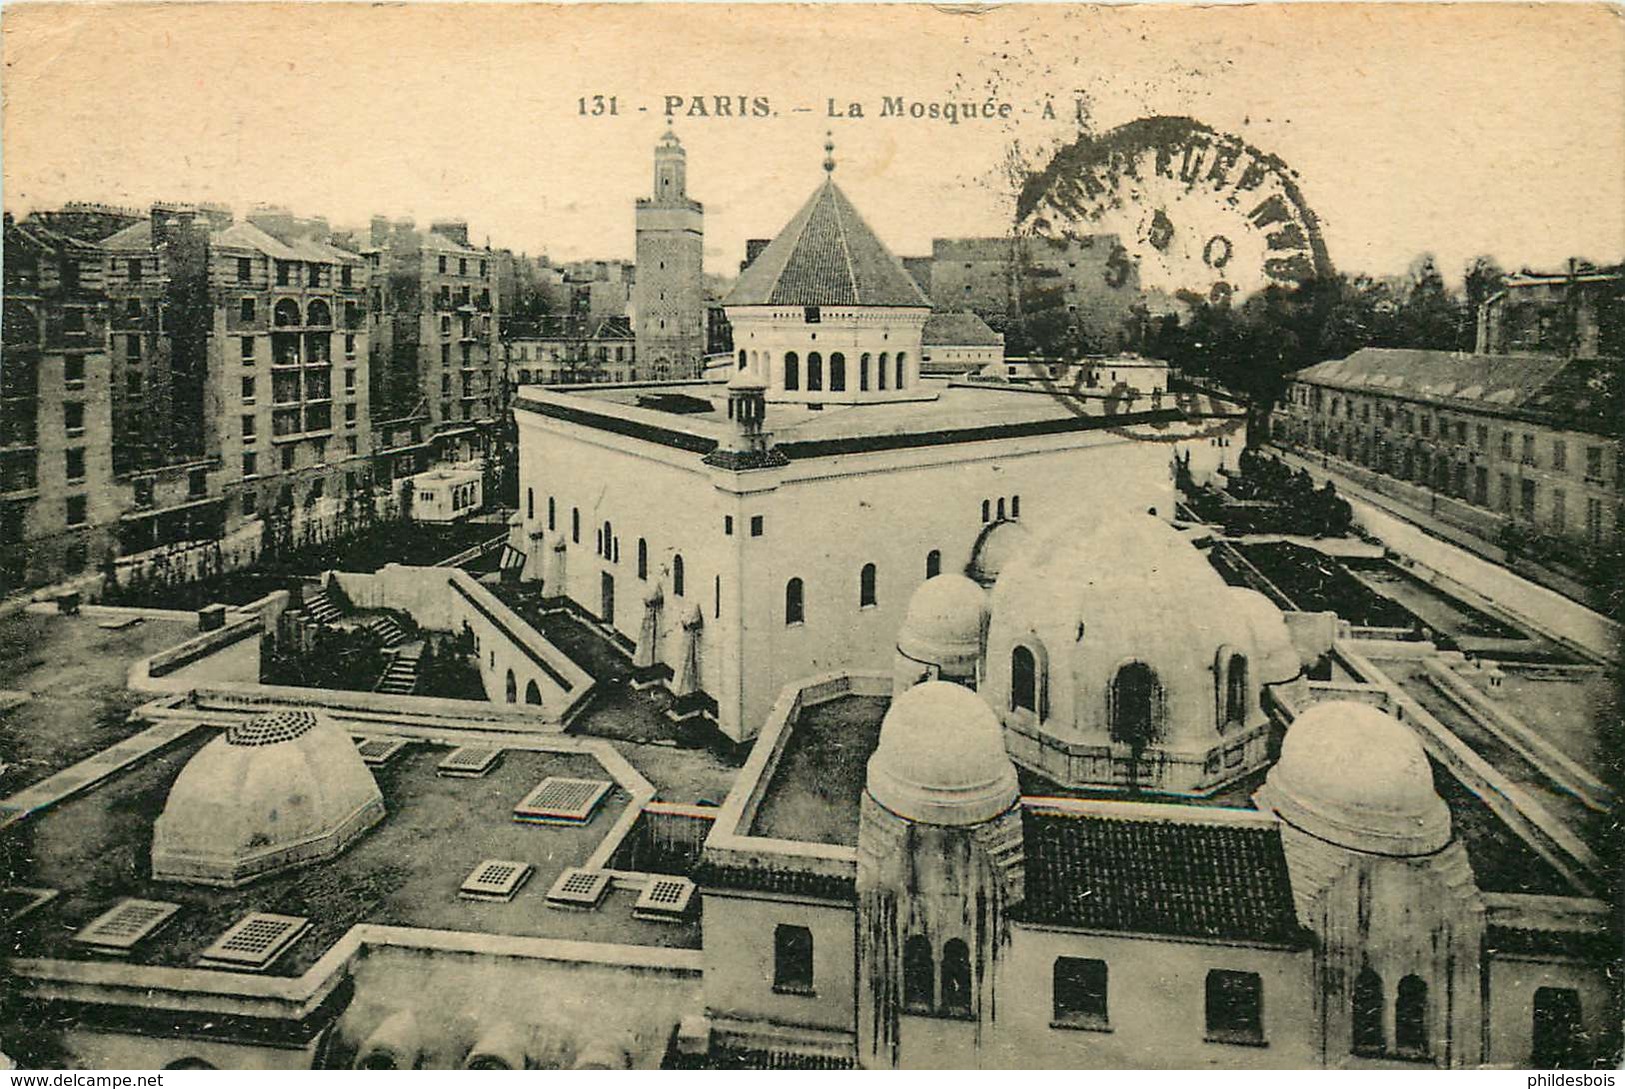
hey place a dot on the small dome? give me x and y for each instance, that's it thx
(1354, 776)
(270, 793)
(998, 543)
(1278, 660)
(945, 619)
(941, 758)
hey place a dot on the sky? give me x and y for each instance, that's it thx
(1452, 129)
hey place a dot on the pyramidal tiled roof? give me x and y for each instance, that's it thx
(826, 256)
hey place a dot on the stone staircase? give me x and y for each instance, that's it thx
(400, 676)
(386, 631)
(320, 607)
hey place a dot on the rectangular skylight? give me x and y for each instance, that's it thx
(126, 923)
(255, 941)
(470, 761)
(582, 889)
(495, 879)
(378, 751)
(558, 800)
(664, 899)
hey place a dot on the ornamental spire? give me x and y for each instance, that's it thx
(829, 152)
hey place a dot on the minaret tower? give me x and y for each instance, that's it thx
(668, 295)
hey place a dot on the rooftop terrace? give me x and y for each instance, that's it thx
(406, 871)
(63, 695)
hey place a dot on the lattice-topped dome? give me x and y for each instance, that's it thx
(279, 790)
(271, 728)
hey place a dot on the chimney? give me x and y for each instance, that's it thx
(379, 230)
(275, 221)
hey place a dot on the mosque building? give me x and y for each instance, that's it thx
(746, 533)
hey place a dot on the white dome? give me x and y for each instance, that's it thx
(1354, 776)
(273, 792)
(995, 547)
(1277, 660)
(941, 758)
(944, 623)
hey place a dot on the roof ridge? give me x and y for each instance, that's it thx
(836, 197)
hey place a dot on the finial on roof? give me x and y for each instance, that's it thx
(829, 152)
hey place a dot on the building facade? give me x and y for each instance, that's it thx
(608, 354)
(436, 359)
(1579, 312)
(668, 294)
(1529, 441)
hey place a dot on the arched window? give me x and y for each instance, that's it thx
(512, 688)
(743, 359)
(643, 558)
(837, 372)
(919, 974)
(933, 564)
(677, 575)
(552, 514)
(533, 695)
(956, 977)
(901, 357)
(866, 585)
(1556, 1035)
(1135, 709)
(1367, 1019)
(815, 371)
(195, 1064)
(317, 313)
(795, 605)
(1235, 692)
(792, 371)
(792, 958)
(1001, 510)
(986, 510)
(609, 541)
(286, 312)
(880, 370)
(530, 504)
(863, 371)
(1411, 1016)
(1015, 506)
(1023, 679)
(575, 524)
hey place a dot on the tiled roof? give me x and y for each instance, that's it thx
(1591, 945)
(959, 329)
(1492, 381)
(1181, 878)
(826, 256)
(790, 880)
(137, 238)
(132, 239)
(1578, 393)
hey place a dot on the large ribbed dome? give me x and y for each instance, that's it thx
(1354, 776)
(270, 793)
(941, 758)
(944, 623)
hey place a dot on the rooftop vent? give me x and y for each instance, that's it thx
(469, 762)
(378, 751)
(17, 901)
(271, 728)
(130, 921)
(255, 941)
(583, 889)
(495, 879)
(665, 899)
(557, 800)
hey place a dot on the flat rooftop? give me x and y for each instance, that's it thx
(813, 795)
(698, 411)
(62, 688)
(95, 849)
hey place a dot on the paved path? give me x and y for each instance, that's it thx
(1433, 543)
